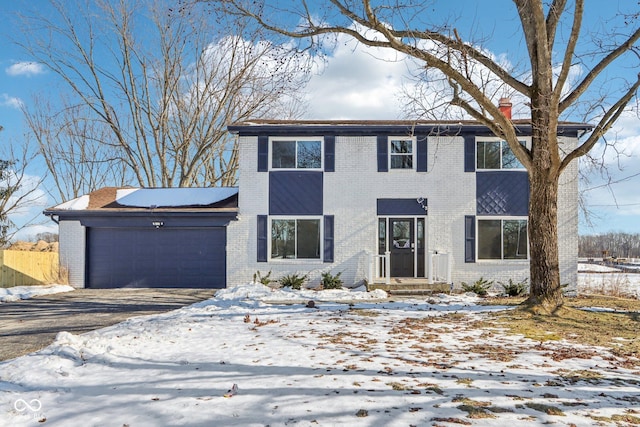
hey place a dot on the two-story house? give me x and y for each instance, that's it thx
(375, 201)
(380, 200)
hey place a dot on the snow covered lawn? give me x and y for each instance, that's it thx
(422, 362)
(604, 280)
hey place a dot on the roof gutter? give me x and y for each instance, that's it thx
(55, 218)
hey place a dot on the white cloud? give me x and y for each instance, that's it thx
(616, 206)
(28, 233)
(357, 82)
(25, 69)
(10, 101)
(363, 82)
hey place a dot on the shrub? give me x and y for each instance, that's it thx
(329, 281)
(259, 278)
(515, 289)
(294, 281)
(479, 287)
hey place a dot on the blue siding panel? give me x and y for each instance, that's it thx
(469, 238)
(263, 153)
(329, 153)
(328, 238)
(400, 207)
(469, 153)
(263, 234)
(383, 147)
(502, 193)
(295, 193)
(421, 153)
(146, 219)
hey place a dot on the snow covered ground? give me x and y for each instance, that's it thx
(17, 293)
(600, 279)
(351, 360)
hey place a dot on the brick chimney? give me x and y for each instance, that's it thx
(504, 104)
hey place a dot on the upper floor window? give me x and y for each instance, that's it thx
(401, 153)
(298, 153)
(496, 154)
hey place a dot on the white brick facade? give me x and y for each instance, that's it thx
(568, 222)
(350, 195)
(72, 251)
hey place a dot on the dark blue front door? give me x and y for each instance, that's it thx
(402, 247)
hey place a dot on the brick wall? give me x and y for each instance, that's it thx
(350, 195)
(72, 251)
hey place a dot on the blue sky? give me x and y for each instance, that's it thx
(355, 84)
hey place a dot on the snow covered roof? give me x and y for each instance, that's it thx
(173, 197)
(111, 198)
(77, 204)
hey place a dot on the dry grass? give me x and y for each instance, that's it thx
(363, 312)
(616, 329)
(547, 409)
(478, 408)
(609, 284)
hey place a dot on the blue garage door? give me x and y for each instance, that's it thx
(157, 258)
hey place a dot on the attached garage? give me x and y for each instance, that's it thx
(162, 258)
(147, 238)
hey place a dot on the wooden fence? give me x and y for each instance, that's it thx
(25, 268)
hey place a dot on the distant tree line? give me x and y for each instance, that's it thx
(620, 245)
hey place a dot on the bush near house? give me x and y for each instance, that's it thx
(330, 281)
(515, 289)
(294, 281)
(480, 287)
(263, 280)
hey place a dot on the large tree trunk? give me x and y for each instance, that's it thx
(546, 290)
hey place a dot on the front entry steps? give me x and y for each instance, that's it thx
(411, 287)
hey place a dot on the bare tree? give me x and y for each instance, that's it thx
(18, 189)
(78, 152)
(551, 33)
(615, 244)
(152, 89)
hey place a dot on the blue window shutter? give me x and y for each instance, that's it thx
(262, 238)
(421, 153)
(263, 153)
(469, 238)
(469, 153)
(330, 153)
(328, 238)
(383, 161)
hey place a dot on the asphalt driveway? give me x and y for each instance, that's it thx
(30, 325)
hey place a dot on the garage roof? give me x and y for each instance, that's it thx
(137, 199)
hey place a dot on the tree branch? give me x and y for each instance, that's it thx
(605, 123)
(597, 70)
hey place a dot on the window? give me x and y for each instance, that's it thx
(401, 151)
(296, 154)
(502, 239)
(496, 155)
(382, 236)
(295, 239)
